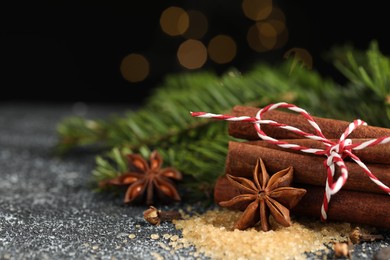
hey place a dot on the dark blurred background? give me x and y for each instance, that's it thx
(118, 51)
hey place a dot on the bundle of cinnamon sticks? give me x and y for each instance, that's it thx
(359, 201)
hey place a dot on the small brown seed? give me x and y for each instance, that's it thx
(155, 216)
(341, 249)
(169, 215)
(356, 236)
(151, 215)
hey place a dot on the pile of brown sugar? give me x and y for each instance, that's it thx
(212, 234)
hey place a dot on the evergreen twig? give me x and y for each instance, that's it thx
(371, 71)
(198, 147)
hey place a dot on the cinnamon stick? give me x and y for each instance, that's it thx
(374, 154)
(347, 206)
(308, 169)
(331, 128)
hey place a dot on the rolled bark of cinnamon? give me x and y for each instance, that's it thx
(374, 154)
(308, 170)
(331, 128)
(347, 206)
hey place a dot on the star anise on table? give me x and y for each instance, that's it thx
(264, 196)
(147, 179)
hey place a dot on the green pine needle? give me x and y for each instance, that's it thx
(198, 147)
(372, 72)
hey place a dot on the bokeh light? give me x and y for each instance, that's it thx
(174, 21)
(198, 25)
(135, 67)
(262, 37)
(277, 14)
(278, 25)
(192, 54)
(257, 10)
(300, 55)
(269, 34)
(267, 30)
(222, 49)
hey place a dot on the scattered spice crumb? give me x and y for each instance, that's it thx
(173, 244)
(154, 236)
(95, 247)
(131, 236)
(157, 256)
(212, 234)
(167, 236)
(174, 238)
(184, 214)
(164, 246)
(138, 226)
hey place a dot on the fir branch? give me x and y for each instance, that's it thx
(197, 147)
(111, 165)
(372, 71)
(166, 114)
(78, 131)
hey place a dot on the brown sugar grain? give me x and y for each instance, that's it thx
(212, 234)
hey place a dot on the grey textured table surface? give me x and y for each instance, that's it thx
(47, 208)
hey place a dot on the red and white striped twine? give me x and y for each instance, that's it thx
(335, 151)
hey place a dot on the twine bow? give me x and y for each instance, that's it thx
(334, 151)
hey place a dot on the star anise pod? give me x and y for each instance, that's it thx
(264, 196)
(147, 179)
